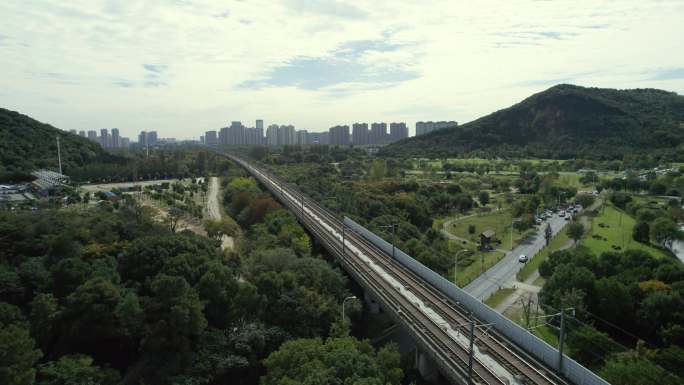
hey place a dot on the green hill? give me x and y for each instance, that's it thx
(566, 121)
(27, 144)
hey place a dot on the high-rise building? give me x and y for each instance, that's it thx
(286, 135)
(125, 142)
(152, 138)
(302, 137)
(398, 131)
(202, 139)
(142, 139)
(82, 134)
(378, 133)
(92, 135)
(223, 135)
(105, 140)
(210, 138)
(260, 124)
(72, 132)
(360, 134)
(116, 139)
(272, 135)
(339, 135)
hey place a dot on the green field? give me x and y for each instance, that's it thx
(613, 227)
(472, 266)
(499, 221)
(499, 296)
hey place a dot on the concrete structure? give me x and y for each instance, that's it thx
(47, 181)
(92, 135)
(105, 140)
(398, 131)
(152, 138)
(142, 139)
(286, 135)
(260, 124)
(82, 134)
(210, 138)
(302, 137)
(378, 133)
(360, 134)
(272, 135)
(116, 139)
(72, 132)
(339, 135)
(125, 143)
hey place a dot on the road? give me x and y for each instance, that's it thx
(506, 269)
(214, 209)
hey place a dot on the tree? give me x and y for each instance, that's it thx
(575, 231)
(75, 370)
(589, 346)
(343, 360)
(665, 231)
(641, 232)
(629, 370)
(17, 355)
(175, 215)
(483, 197)
(217, 229)
(548, 234)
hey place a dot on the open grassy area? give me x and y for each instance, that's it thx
(569, 179)
(472, 264)
(612, 228)
(499, 221)
(497, 298)
(556, 243)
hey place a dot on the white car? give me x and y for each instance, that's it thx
(523, 258)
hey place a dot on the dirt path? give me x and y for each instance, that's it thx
(214, 210)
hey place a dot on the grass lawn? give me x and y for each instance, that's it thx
(471, 266)
(499, 221)
(556, 243)
(569, 179)
(497, 298)
(613, 227)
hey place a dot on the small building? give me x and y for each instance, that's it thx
(110, 196)
(48, 181)
(486, 239)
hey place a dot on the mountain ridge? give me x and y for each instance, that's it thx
(564, 121)
(27, 144)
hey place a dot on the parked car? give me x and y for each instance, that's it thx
(523, 258)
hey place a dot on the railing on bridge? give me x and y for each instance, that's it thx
(530, 343)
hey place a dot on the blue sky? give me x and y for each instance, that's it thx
(183, 67)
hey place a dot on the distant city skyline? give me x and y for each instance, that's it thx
(85, 65)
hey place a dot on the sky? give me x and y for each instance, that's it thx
(183, 67)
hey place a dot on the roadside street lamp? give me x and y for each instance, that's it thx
(456, 264)
(345, 301)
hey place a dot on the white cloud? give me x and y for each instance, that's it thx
(184, 67)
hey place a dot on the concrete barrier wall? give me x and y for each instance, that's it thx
(527, 341)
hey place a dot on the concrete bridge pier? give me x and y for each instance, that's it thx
(426, 366)
(373, 305)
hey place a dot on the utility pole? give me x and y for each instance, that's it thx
(470, 355)
(561, 341)
(59, 156)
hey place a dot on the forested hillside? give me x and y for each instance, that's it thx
(27, 144)
(563, 122)
(107, 295)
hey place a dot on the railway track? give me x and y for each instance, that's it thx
(415, 302)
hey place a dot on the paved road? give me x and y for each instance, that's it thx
(505, 270)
